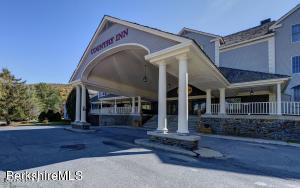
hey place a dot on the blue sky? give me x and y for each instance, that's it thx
(43, 40)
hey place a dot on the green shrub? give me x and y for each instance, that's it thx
(42, 116)
(51, 116)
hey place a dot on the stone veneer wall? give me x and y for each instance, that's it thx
(118, 119)
(268, 127)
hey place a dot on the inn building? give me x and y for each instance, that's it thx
(141, 72)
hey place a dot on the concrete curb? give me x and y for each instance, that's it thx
(80, 130)
(147, 143)
(126, 127)
(256, 140)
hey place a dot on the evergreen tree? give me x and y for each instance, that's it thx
(32, 103)
(13, 97)
(49, 98)
(71, 104)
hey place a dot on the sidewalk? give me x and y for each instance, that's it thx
(246, 139)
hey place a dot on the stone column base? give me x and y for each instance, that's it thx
(81, 125)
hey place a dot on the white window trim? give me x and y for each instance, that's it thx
(294, 91)
(296, 73)
(292, 34)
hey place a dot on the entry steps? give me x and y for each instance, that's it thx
(172, 123)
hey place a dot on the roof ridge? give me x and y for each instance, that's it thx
(250, 28)
(196, 30)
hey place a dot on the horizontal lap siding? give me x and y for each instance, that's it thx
(253, 57)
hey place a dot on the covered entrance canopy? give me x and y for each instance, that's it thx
(128, 59)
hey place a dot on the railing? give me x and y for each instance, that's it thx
(290, 108)
(215, 108)
(287, 108)
(113, 110)
(252, 108)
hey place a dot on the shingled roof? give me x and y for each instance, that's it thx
(239, 76)
(240, 36)
(248, 34)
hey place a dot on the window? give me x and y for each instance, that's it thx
(101, 94)
(297, 93)
(296, 64)
(296, 33)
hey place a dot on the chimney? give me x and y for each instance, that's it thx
(265, 21)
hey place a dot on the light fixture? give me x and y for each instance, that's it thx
(145, 79)
(251, 92)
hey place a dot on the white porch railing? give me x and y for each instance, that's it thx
(290, 108)
(215, 108)
(287, 108)
(113, 110)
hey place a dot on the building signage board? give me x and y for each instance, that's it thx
(110, 41)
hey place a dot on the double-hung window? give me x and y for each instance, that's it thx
(296, 33)
(296, 64)
(297, 93)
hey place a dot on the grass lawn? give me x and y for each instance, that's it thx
(32, 123)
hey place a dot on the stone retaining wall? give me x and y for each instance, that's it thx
(278, 128)
(118, 119)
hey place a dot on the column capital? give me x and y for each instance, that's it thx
(181, 57)
(208, 90)
(161, 62)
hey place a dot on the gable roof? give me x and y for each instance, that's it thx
(239, 76)
(241, 36)
(199, 32)
(147, 29)
(248, 34)
(277, 23)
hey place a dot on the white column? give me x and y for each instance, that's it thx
(222, 101)
(162, 98)
(115, 106)
(139, 104)
(133, 105)
(101, 104)
(208, 101)
(77, 117)
(217, 53)
(183, 95)
(278, 97)
(83, 104)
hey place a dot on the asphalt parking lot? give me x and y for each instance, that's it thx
(108, 158)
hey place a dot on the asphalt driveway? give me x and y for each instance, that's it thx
(108, 158)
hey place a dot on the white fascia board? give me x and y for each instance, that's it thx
(220, 76)
(76, 82)
(163, 54)
(277, 24)
(147, 29)
(106, 18)
(198, 32)
(247, 42)
(259, 83)
(185, 48)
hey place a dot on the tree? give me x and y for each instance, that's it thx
(71, 104)
(13, 97)
(32, 103)
(49, 98)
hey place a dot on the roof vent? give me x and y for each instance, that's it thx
(265, 21)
